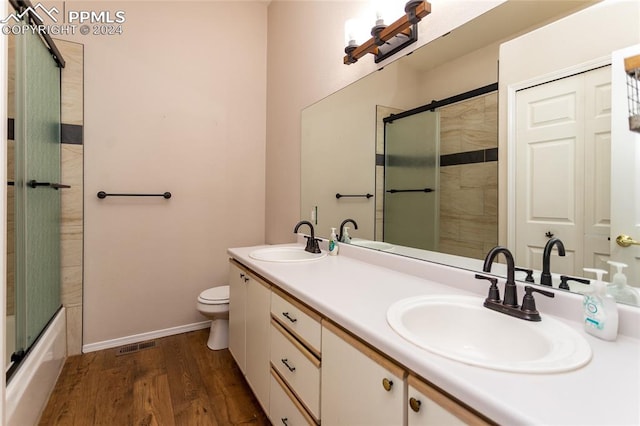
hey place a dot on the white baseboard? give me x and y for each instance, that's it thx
(30, 387)
(127, 340)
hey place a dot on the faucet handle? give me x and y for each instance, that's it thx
(494, 292)
(529, 273)
(565, 278)
(529, 303)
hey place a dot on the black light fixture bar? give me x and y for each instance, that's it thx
(388, 40)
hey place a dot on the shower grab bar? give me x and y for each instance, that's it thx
(103, 194)
(34, 184)
(393, 191)
(367, 196)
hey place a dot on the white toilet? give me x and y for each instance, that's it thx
(213, 303)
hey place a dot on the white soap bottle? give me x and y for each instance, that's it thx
(333, 243)
(600, 309)
(619, 288)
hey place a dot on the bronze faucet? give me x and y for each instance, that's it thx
(312, 241)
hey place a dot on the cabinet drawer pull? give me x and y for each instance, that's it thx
(285, 361)
(241, 275)
(246, 279)
(414, 404)
(387, 384)
(289, 317)
(285, 421)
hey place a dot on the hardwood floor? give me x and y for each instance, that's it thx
(179, 382)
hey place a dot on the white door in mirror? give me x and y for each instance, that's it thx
(625, 175)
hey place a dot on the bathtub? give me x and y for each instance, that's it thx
(30, 386)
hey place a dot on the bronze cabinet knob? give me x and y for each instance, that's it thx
(387, 384)
(414, 404)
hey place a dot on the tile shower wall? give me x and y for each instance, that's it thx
(72, 214)
(11, 113)
(469, 176)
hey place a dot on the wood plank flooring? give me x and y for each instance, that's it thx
(179, 382)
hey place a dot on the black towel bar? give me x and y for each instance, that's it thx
(103, 194)
(393, 191)
(367, 196)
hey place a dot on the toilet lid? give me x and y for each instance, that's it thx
(215, 295)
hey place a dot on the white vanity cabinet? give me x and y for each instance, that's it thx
(284, 407)
(426, 405)
(306, 370)
(359, 386)
(295, 361)
(249, 318)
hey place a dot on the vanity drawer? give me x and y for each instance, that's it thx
(298, 319)
(284, 409)
(297, 367)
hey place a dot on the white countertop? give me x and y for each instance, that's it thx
(356, 294)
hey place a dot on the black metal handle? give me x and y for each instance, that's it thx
(287, 316)
(548, 234)
(367, 196)
(285, 421)
(528, 307)
(494, 292)
(34, 184)
(394, 191)
(102, 195)
(529, 273)
(285, 361)
(565, 286)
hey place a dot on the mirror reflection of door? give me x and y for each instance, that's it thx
(625, 170)
(410, 181)
(563, 168)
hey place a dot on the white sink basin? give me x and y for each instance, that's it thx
(460, 328)
(376, 245)
(285, 254)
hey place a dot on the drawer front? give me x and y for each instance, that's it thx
(297, 321)
(283, 411)
(299, 369)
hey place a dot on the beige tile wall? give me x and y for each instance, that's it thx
(469, 192)
(11, 80)
(72, 214)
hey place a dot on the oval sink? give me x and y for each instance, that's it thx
(285, 254)
(376, 245)
(460, 328)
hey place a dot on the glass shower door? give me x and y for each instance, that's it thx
(37, 202)
(410, 181)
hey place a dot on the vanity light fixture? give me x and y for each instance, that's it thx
(632, 68)
(387, 40)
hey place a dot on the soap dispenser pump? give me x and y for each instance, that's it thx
(619, 288)
(600, 309)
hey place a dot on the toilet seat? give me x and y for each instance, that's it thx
(215, 295)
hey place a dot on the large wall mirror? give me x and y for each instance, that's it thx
(453, 200)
